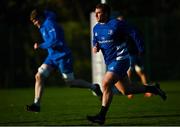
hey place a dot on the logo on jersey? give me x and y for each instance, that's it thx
(102, 38)
(96, 34)
(123, 45)
(111, 68)
(52, 30)
(110, 32)
(44, 34)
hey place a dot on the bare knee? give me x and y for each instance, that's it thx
(39, 77)
(106, 85)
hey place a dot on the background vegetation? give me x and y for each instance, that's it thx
(157, 19)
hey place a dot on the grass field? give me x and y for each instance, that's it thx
(69, 106)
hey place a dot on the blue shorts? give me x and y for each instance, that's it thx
(119, 67)
(136, 61)
(64, 65)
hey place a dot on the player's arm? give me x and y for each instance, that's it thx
(50, 39)
(137, 39)
(133, 34)
(95, 48)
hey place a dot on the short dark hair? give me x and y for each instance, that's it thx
(36, 14)
(105, 8)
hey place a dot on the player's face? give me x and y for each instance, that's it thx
(100, 16)
(36, 23)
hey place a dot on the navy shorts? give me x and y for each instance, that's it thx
(64, 65)
(119, 67)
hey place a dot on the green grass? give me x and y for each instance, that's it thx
(69, 106)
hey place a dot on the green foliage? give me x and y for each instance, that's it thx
(78, 39)
(159, 21)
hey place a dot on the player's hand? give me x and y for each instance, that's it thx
(36, 45)
(95, 48)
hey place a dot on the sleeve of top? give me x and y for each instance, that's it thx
(137, 39)
(133, 34)
(94, 40)
(50, 38)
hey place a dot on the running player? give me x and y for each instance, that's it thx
(59, 56)
(109, 36)
(136, 50)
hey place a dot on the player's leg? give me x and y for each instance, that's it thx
(130, 71)
(130, 88)
(109, 79)
(139, 68)
(80, 83)
(114, 71)
(43, 72)
(123, 84)
(131, 68)
(140, 72)
(66, 68)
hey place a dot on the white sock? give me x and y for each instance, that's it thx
(36, 101)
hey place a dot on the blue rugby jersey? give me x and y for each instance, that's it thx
(53, 36)
(111, 40)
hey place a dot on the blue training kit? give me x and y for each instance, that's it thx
(53, 36)
(59, 55)
(111, 39)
